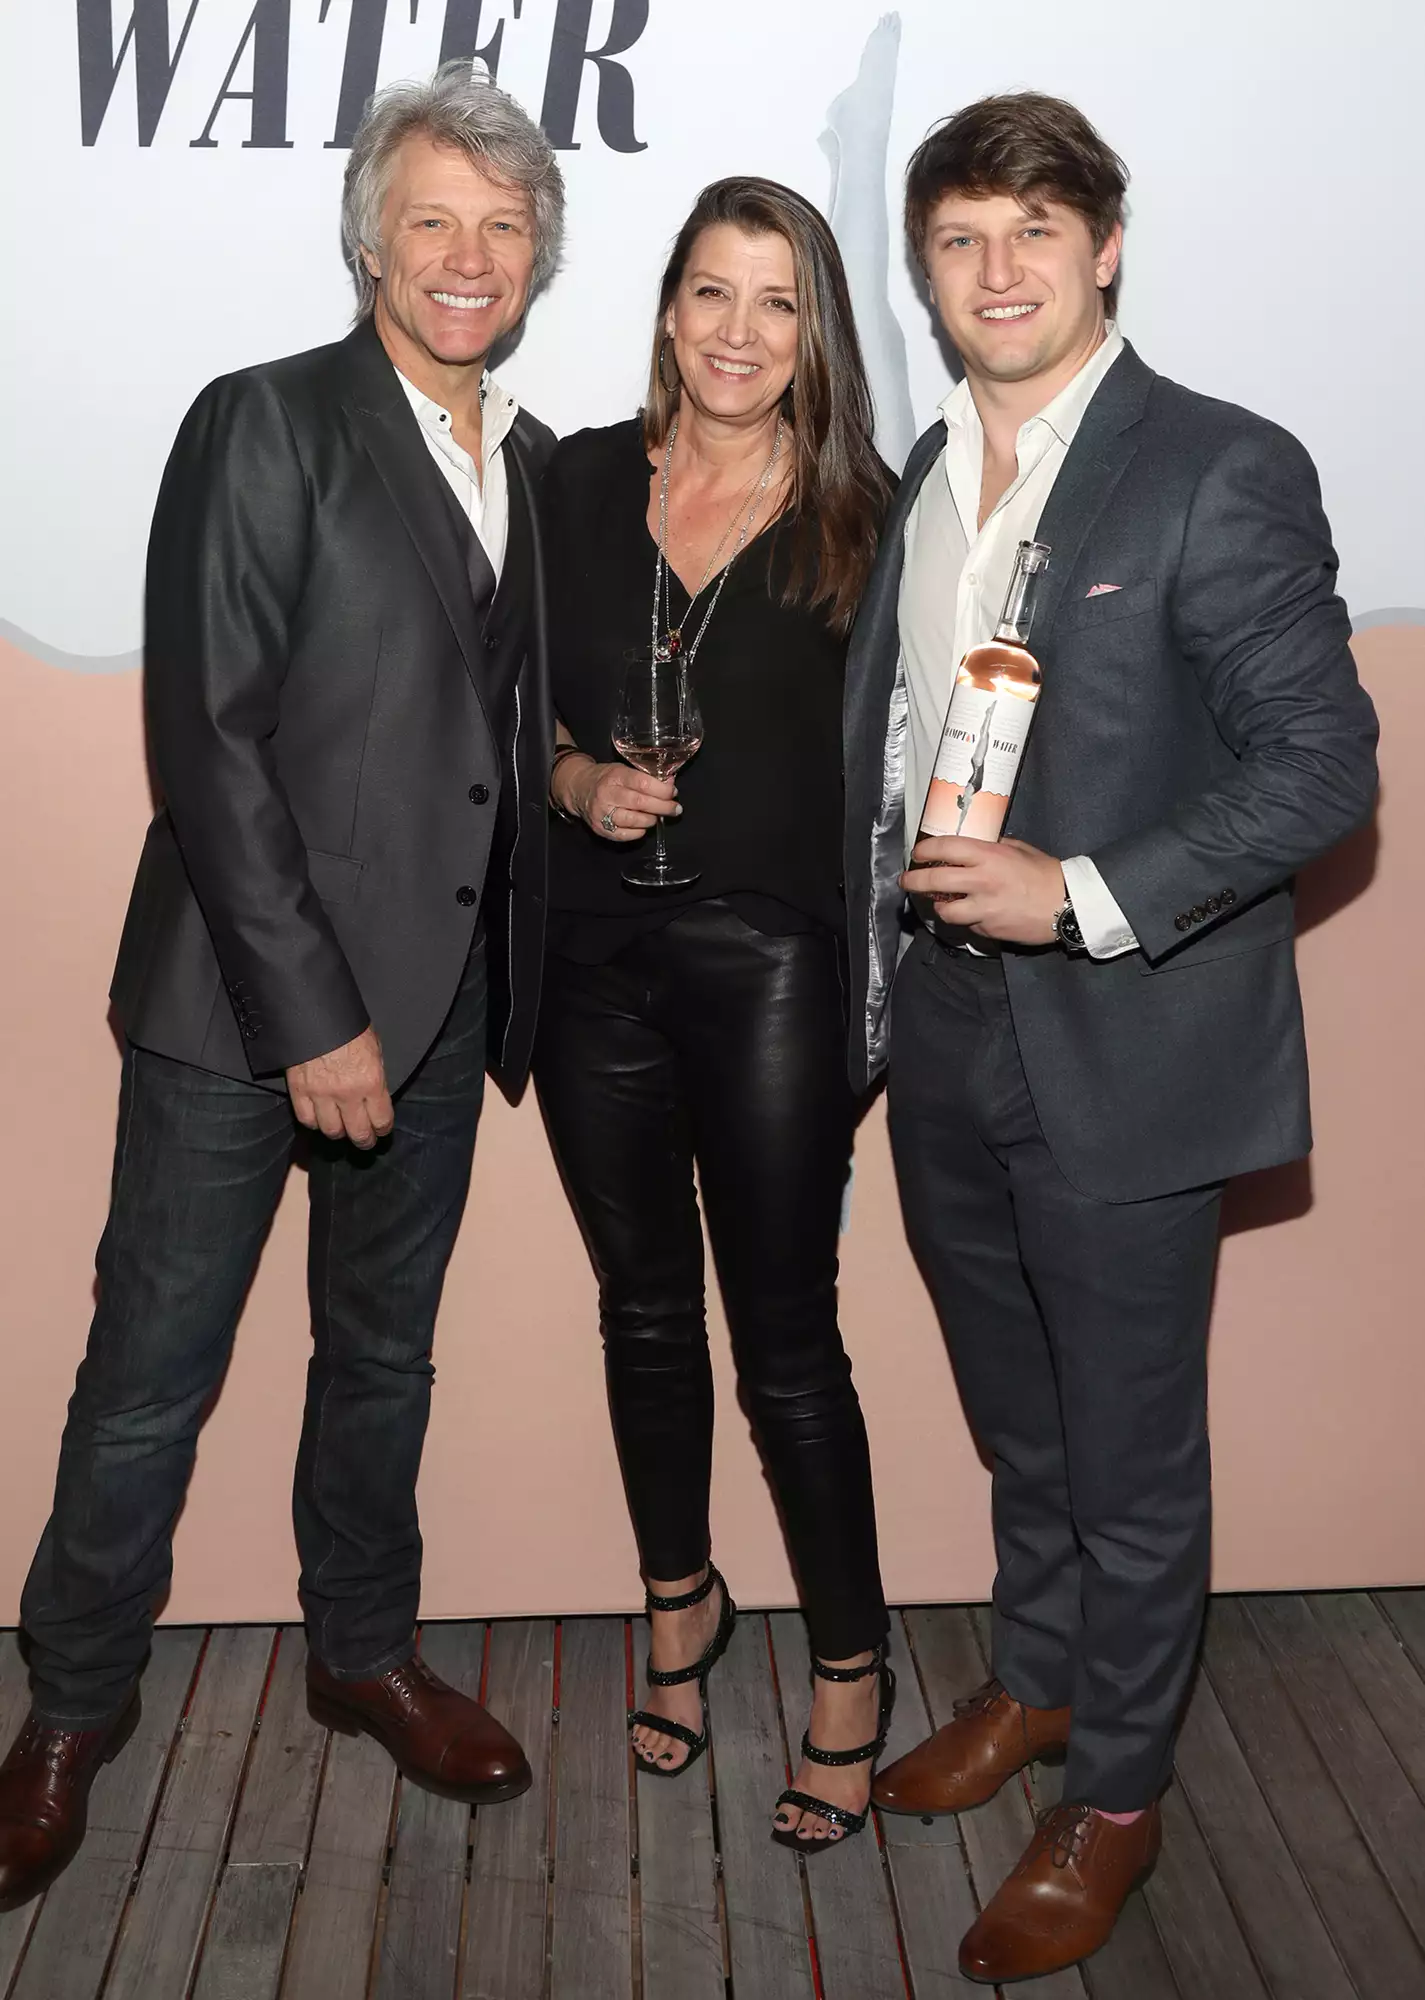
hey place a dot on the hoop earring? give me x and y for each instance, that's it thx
(669, 388)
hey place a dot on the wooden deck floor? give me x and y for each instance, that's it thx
(237, 1853)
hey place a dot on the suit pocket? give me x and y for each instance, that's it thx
(1130, 602)
(334, 876)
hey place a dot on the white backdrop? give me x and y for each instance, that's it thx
(1274, 249)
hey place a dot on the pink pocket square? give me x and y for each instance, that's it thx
(1102, 589)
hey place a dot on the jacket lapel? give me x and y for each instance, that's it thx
(392, 436)
(1102, 449)
(1093, 465)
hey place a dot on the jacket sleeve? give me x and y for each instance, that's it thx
(226, 565)
(1259, 622)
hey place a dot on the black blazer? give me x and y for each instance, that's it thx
(319, 679)
(1201, 733)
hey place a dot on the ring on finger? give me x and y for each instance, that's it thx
(607, 820)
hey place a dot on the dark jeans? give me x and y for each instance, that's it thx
(707, 1042)
(1078, 1331)
(199, 1165)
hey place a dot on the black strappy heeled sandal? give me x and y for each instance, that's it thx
(839, 1816)
(677, 1676)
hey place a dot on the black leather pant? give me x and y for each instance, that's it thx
(708, 1041)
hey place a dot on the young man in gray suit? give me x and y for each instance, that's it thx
(337, 922)
(1096, 1021)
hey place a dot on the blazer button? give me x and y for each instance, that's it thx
(492, 640)
(479, 795)
(1228, 898)
(1213, 905)
(1198, 914)
(466, 896)
(1182, 922)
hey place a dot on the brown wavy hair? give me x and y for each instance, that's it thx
(1027, 145)
(839, 486)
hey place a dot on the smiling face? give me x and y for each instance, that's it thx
(456, 260)
(1021, 295)
(733, 324)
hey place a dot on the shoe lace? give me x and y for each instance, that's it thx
(410, 1679)
(981, 1701)
(1061, 1829)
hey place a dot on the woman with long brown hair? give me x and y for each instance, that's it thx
(704, 1025)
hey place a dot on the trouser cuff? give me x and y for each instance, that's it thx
(396, 1657)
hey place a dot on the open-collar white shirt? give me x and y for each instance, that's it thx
(953, 583)
(483, 492)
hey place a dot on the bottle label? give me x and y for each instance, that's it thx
(978, 760)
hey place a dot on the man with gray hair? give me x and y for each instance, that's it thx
(337, 923)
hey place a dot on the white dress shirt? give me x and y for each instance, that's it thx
(952, 591)
(483, 494)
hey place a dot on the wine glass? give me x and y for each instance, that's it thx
(657, 728)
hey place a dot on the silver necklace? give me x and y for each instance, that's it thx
(672, 643)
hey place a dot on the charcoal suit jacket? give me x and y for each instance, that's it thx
(1200, 735)
(350, 733)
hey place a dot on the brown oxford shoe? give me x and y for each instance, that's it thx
(965, 1762)
(439, 1738)
(1063, 1899)
(44, 1799)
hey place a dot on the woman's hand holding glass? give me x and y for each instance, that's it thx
(632, 800)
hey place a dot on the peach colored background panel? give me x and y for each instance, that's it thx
(1318, 1380)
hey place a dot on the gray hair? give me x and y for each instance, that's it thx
(462, 108)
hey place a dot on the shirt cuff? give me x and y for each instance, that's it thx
(1106, 931)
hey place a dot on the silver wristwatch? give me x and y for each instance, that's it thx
(1066, 927)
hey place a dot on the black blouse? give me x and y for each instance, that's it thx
(762, 799)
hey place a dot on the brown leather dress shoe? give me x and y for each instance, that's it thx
(44, 1799)
(1063, 1899)
(965, 1762)
(439, 1738)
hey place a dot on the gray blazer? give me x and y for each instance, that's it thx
(351, 740)
(1201, 733)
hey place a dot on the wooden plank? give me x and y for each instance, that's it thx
(677, 1872)
(853, 1918)
(1382, 1801)
(335, 1918)
(252, 1911)
(1406, 1611)
(765, 1914)
(1362, 1916)
(1386, 1677)
(929, 1878)
(158, 1949)
(508, 1898)
(247, 1936)
(1282, 1924)
(74, 1933)
(15, 1925)
(1196, 1922)
(952, 1663)
(592, 1885)
(279, 1793)
(420, 1939)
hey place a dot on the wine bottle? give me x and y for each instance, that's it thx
(988, 717)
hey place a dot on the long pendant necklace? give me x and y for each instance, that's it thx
(671, 644)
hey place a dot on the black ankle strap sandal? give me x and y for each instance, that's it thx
(679, 1676)
(839, 1816)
